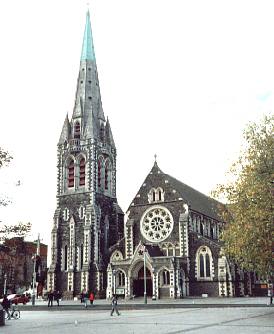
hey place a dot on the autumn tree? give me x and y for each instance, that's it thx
(18, 229)
(249, 212)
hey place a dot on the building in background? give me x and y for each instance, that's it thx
(17, 265)
(87, 220)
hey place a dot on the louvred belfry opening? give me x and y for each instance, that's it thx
(82, 171)
(77, 130)
(71, 174)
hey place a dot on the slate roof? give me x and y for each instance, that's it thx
(197, 201)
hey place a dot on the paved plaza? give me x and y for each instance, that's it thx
(164, 321)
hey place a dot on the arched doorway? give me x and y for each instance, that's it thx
(138, 283)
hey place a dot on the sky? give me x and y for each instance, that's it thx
(180, 79)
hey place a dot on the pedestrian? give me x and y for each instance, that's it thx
(91, 298)
(6, 305)
(85, 297)
(82, 296)
(57, 296)
(50, 298)
(114, 305)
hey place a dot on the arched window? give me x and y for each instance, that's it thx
(207, 265)
(159, 195)
(71, 174)
(106, 176)
(82, 172)
(99, 174)
(202, 266)
(204, 263)
(212, 232)
(166, 277)
(66, 258)
(77, 130)
(121, 278)
(201, 228)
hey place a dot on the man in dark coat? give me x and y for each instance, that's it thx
(114, 305)
(6, 305)
(57, 296)
(50, 298)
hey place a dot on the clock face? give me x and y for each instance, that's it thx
(156, 224)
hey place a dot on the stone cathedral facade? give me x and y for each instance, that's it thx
(87, 220)
(177, 229)
(170, 225)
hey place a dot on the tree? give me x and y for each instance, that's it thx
(19, 229)
(249, 212)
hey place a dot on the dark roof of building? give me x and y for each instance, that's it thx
(196, 200)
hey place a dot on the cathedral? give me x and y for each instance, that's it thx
(165, 246)
(88, 219)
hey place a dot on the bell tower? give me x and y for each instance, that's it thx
(87, 220)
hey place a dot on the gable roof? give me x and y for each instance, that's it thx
(195, 199)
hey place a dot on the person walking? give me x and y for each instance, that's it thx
(114, 302)
(91, 298)
(57, 296)
(50, 298)
(85, 296)
(6, 305)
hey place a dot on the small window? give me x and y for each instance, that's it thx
(77, 130)
(71, 174)
(81, 212)
(201, 229)
(99, 175)
(121, 278)
(82, 172)
(166, 277)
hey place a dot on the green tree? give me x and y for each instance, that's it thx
(249, 212)
(19, 229)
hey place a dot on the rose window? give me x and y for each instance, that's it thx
(156, 224)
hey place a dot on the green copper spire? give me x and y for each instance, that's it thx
(87, 48)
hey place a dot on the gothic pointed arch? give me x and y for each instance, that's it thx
(100, 172)
(107, 175)
(204, 263)
(82, 171)
(70, 171)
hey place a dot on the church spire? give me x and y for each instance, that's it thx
(88, 108)
(88, 47)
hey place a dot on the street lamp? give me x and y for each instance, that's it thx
(33, 281)
(145, 279)
(5, 283)
(114, 281)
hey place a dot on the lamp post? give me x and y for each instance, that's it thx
(33, 280)
(114, 282)
(5, 283)
(145, 278)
